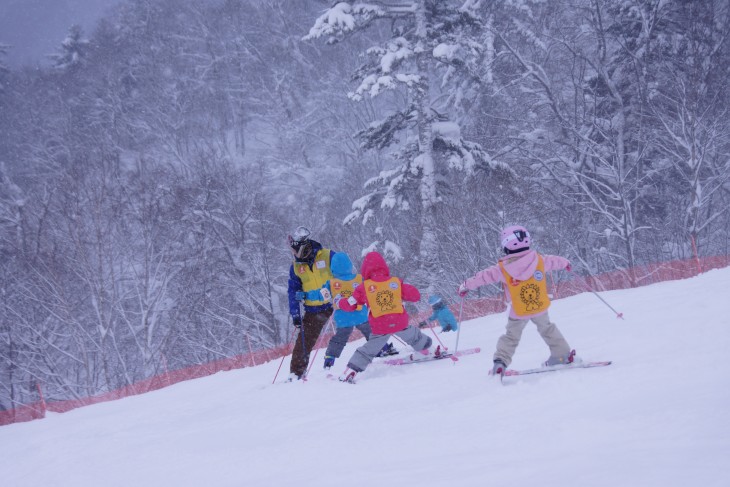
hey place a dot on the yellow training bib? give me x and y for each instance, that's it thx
(344, 289)
(528, 297)
(384, 297)
(316, 276)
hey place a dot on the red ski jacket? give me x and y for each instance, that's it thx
(374, 268)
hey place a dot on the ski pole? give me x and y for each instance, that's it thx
(618, 315)
(301, 331)
(458, 331)
(399, 339)
(437, 338)
(294, 337)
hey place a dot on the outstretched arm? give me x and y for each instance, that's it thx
(410, 293)
(489, 275)
(358, 297)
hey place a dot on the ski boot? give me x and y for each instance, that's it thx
(329, 361)
(567, 359)
(499, 368)
(348, 376)
(388, 349)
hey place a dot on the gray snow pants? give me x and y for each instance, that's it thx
(507, 343)
(366, 353)
(342, 335)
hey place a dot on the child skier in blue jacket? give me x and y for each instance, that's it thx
(442, 313)
(341, 286)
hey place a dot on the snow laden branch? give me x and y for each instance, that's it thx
(342, 19)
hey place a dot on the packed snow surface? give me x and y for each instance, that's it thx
(658, 416)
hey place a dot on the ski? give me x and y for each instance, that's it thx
(555, 368)
(430, 358)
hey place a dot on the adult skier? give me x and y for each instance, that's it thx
(309, 271)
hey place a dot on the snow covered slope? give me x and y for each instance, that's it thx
(659, 416)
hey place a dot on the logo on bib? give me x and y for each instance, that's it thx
(337, 285)
(385, 301)
(538, 276)
(393, 285)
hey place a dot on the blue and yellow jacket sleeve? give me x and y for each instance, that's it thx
(295, 285)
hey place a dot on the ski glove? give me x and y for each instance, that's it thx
(462, 290)
(297, 321)
(329, 362)
(422, 324)
(569, 268)
(300, 295)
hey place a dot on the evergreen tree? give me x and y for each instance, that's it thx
(72, 52)
(427, 37)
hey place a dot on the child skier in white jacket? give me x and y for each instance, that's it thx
(523, 272)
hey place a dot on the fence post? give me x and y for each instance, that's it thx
(697, 257)
(42, 400)
(250, 350)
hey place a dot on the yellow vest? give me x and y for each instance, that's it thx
(344, 289)
(315, 277)
(384, 297)
(528, 297)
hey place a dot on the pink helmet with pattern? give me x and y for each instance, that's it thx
(515, 238)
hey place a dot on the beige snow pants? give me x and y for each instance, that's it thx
(507, 343)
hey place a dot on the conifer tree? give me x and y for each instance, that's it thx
(427, 39)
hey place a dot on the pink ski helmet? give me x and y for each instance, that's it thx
(514, 238)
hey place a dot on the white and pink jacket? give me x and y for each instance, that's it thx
(520, 266)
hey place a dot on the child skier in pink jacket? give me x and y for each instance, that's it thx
(384, 296)
(523, 272)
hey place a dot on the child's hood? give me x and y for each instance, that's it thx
(522, 265)
(374, 267)
(342, 267)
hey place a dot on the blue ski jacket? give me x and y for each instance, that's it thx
(343, 269)
(445, 317)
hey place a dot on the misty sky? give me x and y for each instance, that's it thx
(35, 28)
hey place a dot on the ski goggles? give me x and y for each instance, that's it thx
(301, 236)
(296, 244)
(519, 235)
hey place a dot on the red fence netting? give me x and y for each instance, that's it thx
(623, 279)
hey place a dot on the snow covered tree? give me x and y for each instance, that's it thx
(72, 51)
(690, 107)
(589, 134)
(427, 37)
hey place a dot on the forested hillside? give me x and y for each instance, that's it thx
(149, 178)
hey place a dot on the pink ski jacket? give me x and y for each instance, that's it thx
(520, 266)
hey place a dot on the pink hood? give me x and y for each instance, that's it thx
(521, 266)
(374, 267)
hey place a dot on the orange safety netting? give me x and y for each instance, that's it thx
(473, 308)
